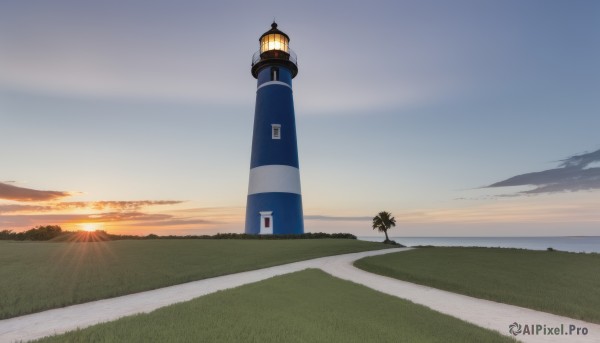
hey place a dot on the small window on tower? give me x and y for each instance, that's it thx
(276, 131)
(274, 74)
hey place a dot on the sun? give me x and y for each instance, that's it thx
(89, 227)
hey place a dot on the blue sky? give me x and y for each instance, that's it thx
(405, 106)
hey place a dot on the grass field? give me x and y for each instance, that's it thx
(307, 306)
(37, 276)
(562, 283)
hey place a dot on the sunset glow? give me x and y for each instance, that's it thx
(90, 227)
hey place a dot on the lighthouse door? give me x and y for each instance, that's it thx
(266, 223)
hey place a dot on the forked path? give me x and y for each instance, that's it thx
(484, 313)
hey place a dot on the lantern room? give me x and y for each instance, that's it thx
(274, 49)
(274, 41)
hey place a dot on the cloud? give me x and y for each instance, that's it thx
(125, 216)
(118, 206)
(572, 175)
(333, 218)
(7, 221)
(22, 221)
(175, 222)
(111, 214)
(111, 219)
(15, 208)
(581, 161)
(10, 192)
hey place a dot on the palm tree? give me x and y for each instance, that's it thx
(383, 222)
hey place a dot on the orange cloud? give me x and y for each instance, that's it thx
(124, 216)
(175, 222)
(94, 205)
(117, 215)
(17, 208)
(10, 192)
(129, 205)
(117, 220)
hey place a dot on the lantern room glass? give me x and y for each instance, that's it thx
(274, 41)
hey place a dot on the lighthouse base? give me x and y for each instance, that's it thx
(276, 213)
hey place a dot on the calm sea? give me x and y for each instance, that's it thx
(569, 243)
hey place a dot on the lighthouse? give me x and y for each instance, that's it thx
(274, 204)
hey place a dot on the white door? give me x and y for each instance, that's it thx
(266, 223)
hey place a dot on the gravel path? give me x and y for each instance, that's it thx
(484, 313)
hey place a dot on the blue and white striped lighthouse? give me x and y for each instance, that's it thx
(274, 198)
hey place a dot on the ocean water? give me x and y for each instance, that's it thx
(586, 244)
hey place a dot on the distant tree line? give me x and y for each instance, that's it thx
(39, 233)
(48, 232)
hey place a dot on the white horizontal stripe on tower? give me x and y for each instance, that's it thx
(274, 178)
(271, 83)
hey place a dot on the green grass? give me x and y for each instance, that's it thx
(36, 276)
(566, 284)
(307, 306)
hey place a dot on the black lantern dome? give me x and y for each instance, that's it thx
(274, 49)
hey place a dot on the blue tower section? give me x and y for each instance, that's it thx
(274, 203)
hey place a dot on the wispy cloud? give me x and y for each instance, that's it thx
(44, 219)
(118, 206)
(125, 216)
(24, 221)
(111, 220)
(10, 192)
(175, 222)
(19, 208)
(572, 175)
(21, 216)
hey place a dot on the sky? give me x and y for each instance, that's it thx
(462, 118)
